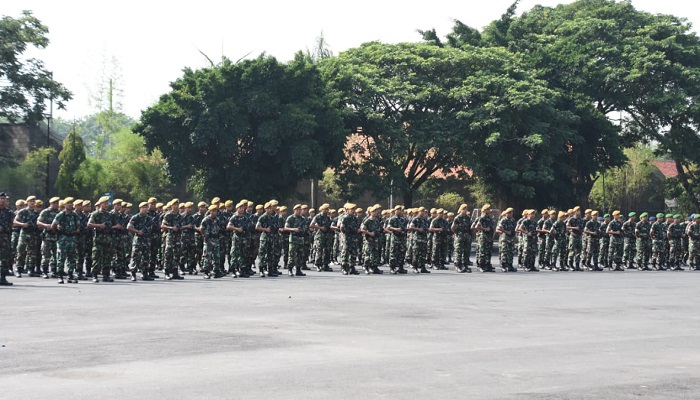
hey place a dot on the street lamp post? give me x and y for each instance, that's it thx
(48, 145)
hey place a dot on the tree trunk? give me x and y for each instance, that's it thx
(683, 178)
(408, 198)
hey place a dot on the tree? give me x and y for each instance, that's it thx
(253, 128)
(71, 157)
(25, 84)
(29, 176)
(419, 109)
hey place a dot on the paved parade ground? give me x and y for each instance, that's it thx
(546, 335)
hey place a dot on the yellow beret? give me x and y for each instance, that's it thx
(143, 204)
(508, 210)
(54, 199)
(68, 200)
(594, 213)
(259, 207)
(242, 204)
(189, 204)
(569, 211)
(398, 207)
(503, 213)
(103, 199)
(332, 210)
(462, 207)
(274, 202)
(296, 206)
(244, 201)
(250, 203)
(304, 206)
(128, 205)
(312, 210)
(588, 211)
(616, 213)
(174, 201)
(575, 208)
(324, 206)
(358, 210)
(20, 202)
(267, 205)
(78, 201)
(201, 204)
(433, 210)
(86, 203)
(38, 202)
(152, 200)
(215, 200)
(182, 205)
(61, 203)
(562, 214)
(349, 206)
(117, 202)
(283, 208)
(450, 214)
(228, 203)
(159, 205)
(552, 212)
(213, 207)
(168, 204)
(31, 198)
(544, 211)
(486, 207)
(222, 206)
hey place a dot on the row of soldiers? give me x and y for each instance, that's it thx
(68, 239)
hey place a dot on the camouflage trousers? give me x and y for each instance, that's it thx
(409, 248)
(171, 255)
(211, 255)
(615, 251)
(225, 245)
(26, 255)
(439, 250)
(542, 250)
(295, 253)
(188, 252)
(238, 257)
(658, 252)
(87, 251)
(120, 260)
(420, 251)
(15, 239)
(604, 248)
(575, 248)
(506, 250)
(153, 256)
(593, 250)
(643, 252)
(386, 253)
(80, 247)
(67, 255)
(397, 252)
(253, 249)
(548, 250)
(463, 249)
(140, 254)
(484, 246)
(628, 251)
(371, 254)
(675, 255)
(198, 249)
(323, 242)
(266, 253)
(101, 255)
(307, 247)
(277, 249)
(530, 253)
(49, 253)
(336, 247)
(558, 253)
(585, 248)
(346, 259)
(5, 253)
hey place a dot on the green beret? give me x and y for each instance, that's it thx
(660, 215)
(644, 214)
(606, 216)
(669, 215)
(677, 216)
(632, 214)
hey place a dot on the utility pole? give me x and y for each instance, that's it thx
(49, 117)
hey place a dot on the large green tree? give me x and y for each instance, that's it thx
(424, 109)
(25, 84)
(71, 157)
(250, 129)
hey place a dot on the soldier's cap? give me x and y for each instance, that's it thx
(561, 214)
(324, 206)
(250, 203)
(20, 203)
(358, 210)
(332, 210)
(54, 200)
(68, 200)
(616, 213)
(531, 212)
(652, 218)
(544, 211)
(274, 202)
(588, 211)
(676, 216)
(304, 207)
(450, 214)
(400, 207)
(660, 215)
(552, 212)
(61, 203)
(242, 204)
(78, 202)
(691, 217)
(283, 208)
(129, 205)
(632, 214)
(159, 205)
(644, 214)
(182, 205)
(222, 206)
(143, 204)
(267, 205)
(38, 202)
(349, 206)
(606, 216)
(259, 207)
(312, 210)
(213, 207)
(188, 204)
(503, 213)
(600, 219)
(296, 206)
(341, 211)
(152, 200)
(433, 210)
(486, 207)
(86, 203)
(168, 204)
(462, 207)
(3, 194)
(421, 209)
(103, 199)
(174, 201)
(201, 204)
(594, 213)
(507, 210)
(576, 208)
(229, 203)
(117, 202)
(524, 213)
(216, 201)
(31, 198)
(244, 201)
(669, 215)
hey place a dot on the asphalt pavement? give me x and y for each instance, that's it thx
(546, 335)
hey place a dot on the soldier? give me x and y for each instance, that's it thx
(529, 231)
(592, 232)
(659, 239)
(305, 213)
(558, 236)
(188, 251)
(585, 238)
(521, 238)
(89, 235)
(255, 237)
(349, 227)
(6, 218)
(439, 228)
(549, 239)
(642, 231)
(295, 226)
(118, 237)
(628, 228)
(675, 234)
(542, 237)
(49, 238)
(575, 229)
(685, 241)
(419, 228)
(225, 215)
(450, 237)
(142, 227)
(604, 247)
(462, 233)
(67, 225)
(693, 233)
(101, 222)
(323, 238)
(387, 214)
(371, 229)
(484, 227)
(211, 231)
(154, 241)
(80, 240)
(19, 206)
(198, 239)
(171, 227)
(239, 224)
(617, 234)
(398, 227)
(25, 255)
(310, 237)
(506, 240)
(268, 226)
(281, 243)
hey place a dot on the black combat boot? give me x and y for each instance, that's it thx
(377, 271)
(298, 272)
(3, 280)
(423, 270)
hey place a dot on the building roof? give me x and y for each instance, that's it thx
(16, 140)
(666, 167)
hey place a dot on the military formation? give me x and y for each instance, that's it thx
(70, 241)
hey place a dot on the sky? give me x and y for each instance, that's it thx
(152, 41)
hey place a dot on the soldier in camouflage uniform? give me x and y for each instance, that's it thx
(575, 230)
(542, 230)
(254, 236)
(675, 234)
(89, 237)
(558, 235)
(188, 251)
(616, 233)
(485, 228)
(101, 221)
(592, 232)
(197, 219)
(693, 233)
(305, 213)
(281, 240)
(520, 238)
(604, 247)
(19, 206)
(67, 225)
(25, 255)
(323, 238)
(335, 252)
(171, 227)
(659, 238)
(419, 228)
(49, 238)
(349, 228)
(295, 226)
(371, 229)
(211, 233)
(629, 240)
(529, 231)
(450, 237)
(80, 240)
(239, 225)
(154, 241)
(642, 232)
(142, 227)
(268, 226)
(439, 228)
(506, 240)
(585, 239)
(6, 218)
(119, 238)
(410, 215)
(685, 240)
(398, 227)
(462, 232)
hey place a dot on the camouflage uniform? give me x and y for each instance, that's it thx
(529, 228)
(675, 234)
(268, 262)
(155, 242)
(26, 255)
(484, 243)
(349, 228)
(254, 244)
(188, 249)
(323, 241)
(171, 256)
(658, 246)
(604, 246)
(593, 243)
(198, 240)
(211, 254)
(370, 248)
(642, 231)
(240, 245)
(101, 245)
(6, 218)
(68, 223)
(89, 239)
(296, 248)
(693, 232)
(439, 253)
(140, 245)
(49, 239)
(462, 228)
(81, 240)
(542, 249)
(120, 241)
(629, 243)
(506, 243)
(616, 244)
(397, 251)
(559, 246)
(420, 243)
(575, 242)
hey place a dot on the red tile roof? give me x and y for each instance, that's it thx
(666, 167)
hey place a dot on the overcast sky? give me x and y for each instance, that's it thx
(153, 41)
